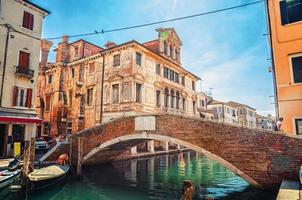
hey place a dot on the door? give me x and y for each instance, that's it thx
(3, 138)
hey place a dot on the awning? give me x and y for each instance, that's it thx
(34, 120)
(19, 116)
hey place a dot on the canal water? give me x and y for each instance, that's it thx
(155, 178)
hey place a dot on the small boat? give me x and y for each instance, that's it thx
(47, 176)
(7, 177)
(4, 163)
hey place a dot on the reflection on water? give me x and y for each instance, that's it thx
(158, 178)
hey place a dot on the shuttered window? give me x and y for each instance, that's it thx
(28, 102)
(91, 68)
(22, 97)
(28, 20)
(297, 69)
(47, 104)
(24, 59)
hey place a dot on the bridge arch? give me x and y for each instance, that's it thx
(262, 158)
(145, 136)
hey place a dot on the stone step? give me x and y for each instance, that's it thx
(289, 190)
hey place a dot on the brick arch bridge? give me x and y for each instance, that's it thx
(262, 158)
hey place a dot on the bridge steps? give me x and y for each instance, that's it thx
(289, 190)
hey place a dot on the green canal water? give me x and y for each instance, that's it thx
(155, 178)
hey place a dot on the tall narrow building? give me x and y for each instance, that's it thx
(285, 25)
(20, 33)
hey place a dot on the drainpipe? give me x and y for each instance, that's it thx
(8, 27)
(273, 60)
(102, 89)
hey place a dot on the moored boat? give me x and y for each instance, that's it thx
(7, 177)
(4, 163)
(47, 176)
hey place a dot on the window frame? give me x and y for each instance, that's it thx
(89, 97)
(31, 22)
(118, 93)
(284, 17)
(50, 80)
(295, 121)
(115, 62)
(138, 99)
(138, 55)
(291, 68)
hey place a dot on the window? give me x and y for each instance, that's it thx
(49, 78)
(138, 58)
(158, 69)
(72, 73)
(171, 75)
(116, 60)
(177, 99)
(22, 97)
(176, 77)
(157, 98)
(298, 123)
(47, 103)
(165, 48)
(291, 11)
(24, 59)
(234, 113)
(166, 72)
(183, 82)
(115, 93)
(166, 98)
(176, 55)
(89, 96)
(91, 68)
(28, 20)
(228, 110)
(202, 103)
(194, 107)
(76, 51)
(171, 51)
(297, 69)
(183, 104)
(138, 98)
(172, 97)
(193, 85)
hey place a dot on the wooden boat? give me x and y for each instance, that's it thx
(4, 163)
(47, 176)
(7, 177)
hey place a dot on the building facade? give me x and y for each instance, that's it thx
(20, 31)
(246, 114)
(224, 112)
(264, 122)
(285, 24)
(139, 78)
(202, 107)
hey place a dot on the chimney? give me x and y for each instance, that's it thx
(109, 44)
(45, 47)
(62, 50)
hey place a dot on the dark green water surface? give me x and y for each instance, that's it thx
(156, 178)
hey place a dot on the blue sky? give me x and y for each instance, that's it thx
(227, 50)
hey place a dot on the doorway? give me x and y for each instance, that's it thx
(3, 139)
(18, 134)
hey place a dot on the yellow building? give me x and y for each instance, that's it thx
(20, 33)
(285, 24)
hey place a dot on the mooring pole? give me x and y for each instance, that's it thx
(80, 154)
(70, 150)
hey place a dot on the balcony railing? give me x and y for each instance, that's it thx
(25, 71)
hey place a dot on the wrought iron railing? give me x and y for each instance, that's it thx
(25, 71)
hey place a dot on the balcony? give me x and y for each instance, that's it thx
(25, 71)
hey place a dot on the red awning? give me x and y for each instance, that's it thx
(34, 120)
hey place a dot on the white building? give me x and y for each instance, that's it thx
(247, 114)
(224, 112)
(20, 33)
(264, 122)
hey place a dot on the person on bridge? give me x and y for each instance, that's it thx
(277, 126)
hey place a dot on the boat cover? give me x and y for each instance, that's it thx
(5, 162)
(49, 172)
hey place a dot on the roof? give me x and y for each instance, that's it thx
(82, 41)
(35, 5)
(235, 104)
(214, 102)
(141, 45)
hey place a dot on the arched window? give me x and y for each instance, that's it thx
(171, 51)
(165, 48)
(172, 99)
(166, 99)
(177, 99)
